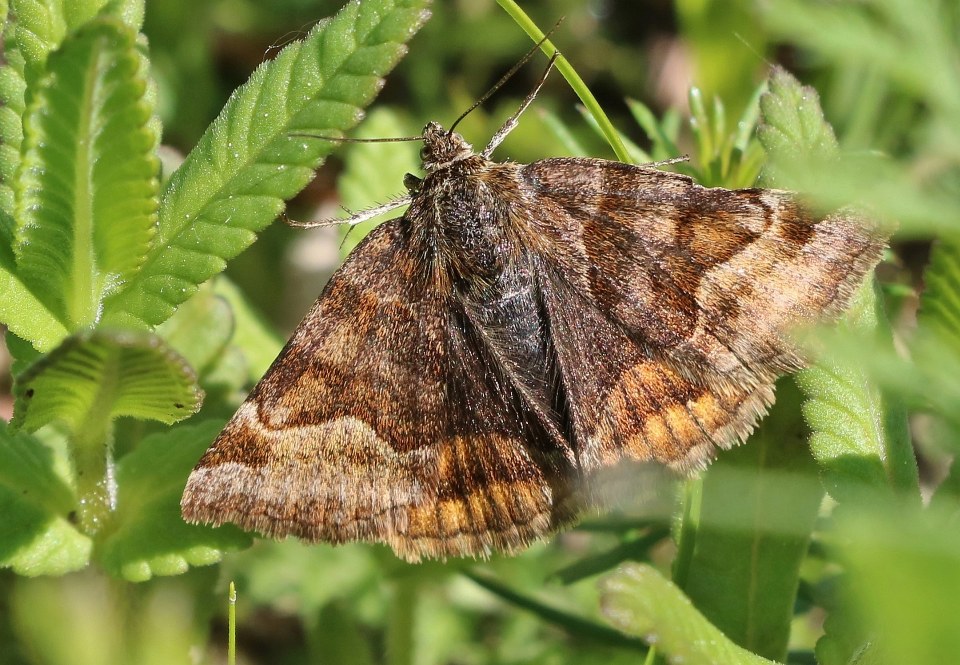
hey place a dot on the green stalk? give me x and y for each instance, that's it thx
(570, 74)
(232, 625)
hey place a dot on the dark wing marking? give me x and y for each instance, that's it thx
(625, 403)
(712, 279)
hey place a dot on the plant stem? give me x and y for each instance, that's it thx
(570, 74)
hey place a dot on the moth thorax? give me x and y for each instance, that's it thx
(442, 148)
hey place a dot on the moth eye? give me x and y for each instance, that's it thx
(412, 182)
(424, 154)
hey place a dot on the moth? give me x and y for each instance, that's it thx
(475, 361)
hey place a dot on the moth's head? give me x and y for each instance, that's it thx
(442, 148)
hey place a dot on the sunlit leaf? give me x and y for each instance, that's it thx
(87, 185)
(641, 602)
(37, 536)
(110, 374)
(259, 151)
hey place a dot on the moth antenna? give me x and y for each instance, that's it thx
(506, 77)
(348, 139)
(512, 121)
(753, 49)
(353, 219)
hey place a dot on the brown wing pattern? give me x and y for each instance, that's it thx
(353, 436)
(671, 305)
(626, 402)
(712, 279)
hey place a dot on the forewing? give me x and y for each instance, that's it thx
(381, 420)
(711, 279)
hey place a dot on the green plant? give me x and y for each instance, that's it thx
(119, 321)
(108, 299)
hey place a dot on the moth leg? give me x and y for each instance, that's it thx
(354, 218)
(511, 123)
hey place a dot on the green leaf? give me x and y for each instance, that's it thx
(42, 26)
(104, 375)
(640, 601)
(800, 144)
(903, 568)
(20, 310)
(793, 125)
(24, 314)
(258, 152)
(746, 541)
(87, 184)
(859, 434)
(150, 537)
(37, 500)
(373, 172)
(12, 90)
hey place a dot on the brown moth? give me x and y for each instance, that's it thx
(520, 327)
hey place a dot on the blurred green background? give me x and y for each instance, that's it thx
(887, 74)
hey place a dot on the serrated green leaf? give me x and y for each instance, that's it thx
(19, 308)
(859, 434)
(758, 506)
(867, 179)
(793, 122)
(87, 185)
(150, 537)
(256, 153)
(36, 502)
(12, 90)
(800, 144)
(112, 374)
(42, 26)
(373, 172)
(640, 601)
